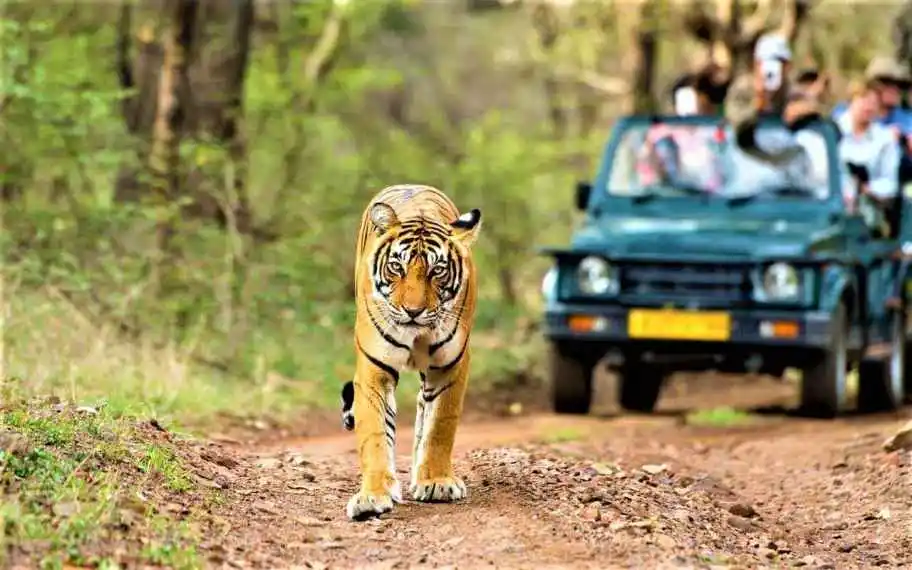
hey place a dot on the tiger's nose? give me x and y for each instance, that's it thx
(413, 313)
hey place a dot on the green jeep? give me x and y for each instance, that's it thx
(758, 269)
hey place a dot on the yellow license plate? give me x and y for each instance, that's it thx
(668, 324)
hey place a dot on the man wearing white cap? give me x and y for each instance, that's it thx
(768, 93)
(772, 64)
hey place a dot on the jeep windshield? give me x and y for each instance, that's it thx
(699, 158)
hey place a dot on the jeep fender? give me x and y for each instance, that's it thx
(839, 283)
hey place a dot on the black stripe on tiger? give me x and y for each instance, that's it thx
(440, 344)
(430, 395)
(390, 427)
(382, 366)
(386, 336)
(380, 272)
(455, 361)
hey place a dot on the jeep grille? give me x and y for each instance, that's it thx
(687, 282)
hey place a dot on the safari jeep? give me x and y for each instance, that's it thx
(757, 269)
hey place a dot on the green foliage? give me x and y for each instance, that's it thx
(243, 325)
(67, 477)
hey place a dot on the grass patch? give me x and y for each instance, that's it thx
(83, 486)
(722, 416)
(563, 435)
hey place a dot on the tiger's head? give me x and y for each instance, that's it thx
(420, 266)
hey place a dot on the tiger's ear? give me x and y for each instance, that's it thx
(383, 217)
(466, 227)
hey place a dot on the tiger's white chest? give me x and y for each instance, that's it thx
(426, 347)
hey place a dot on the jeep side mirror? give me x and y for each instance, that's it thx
(583, 191)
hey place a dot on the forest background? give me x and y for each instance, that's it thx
(182, 181)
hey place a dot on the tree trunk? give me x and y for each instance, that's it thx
(211, 100)
(168, 126)
(645, 52)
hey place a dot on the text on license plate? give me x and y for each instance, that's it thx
(678, 325)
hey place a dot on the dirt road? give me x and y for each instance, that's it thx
(570, 492)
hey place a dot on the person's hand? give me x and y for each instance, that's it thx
(849, 200)
(897, 133)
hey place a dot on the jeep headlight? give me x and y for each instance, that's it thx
(781, 281)
(549, 283)
(595, 276)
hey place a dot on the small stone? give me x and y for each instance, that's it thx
(592, 513)
(740, 523)
(298, 460)
(268, 462)
(653, 469)
(742, 510)
(66, 509)
(267, 507)
(665, 541)
(902, 439)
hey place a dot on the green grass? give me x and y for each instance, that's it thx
(76, 482)
(563, 435)
(722, 416)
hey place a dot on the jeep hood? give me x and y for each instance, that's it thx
(722, 238)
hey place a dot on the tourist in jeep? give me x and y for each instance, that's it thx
(871, 156)
(680, 154)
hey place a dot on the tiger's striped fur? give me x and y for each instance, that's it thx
(415, 305)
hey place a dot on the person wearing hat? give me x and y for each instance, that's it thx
(889, 78)
(871, 157)
(768, 93)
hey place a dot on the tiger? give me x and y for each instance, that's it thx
(415, 295)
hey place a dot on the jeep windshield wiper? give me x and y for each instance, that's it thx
(776, 190)
(653, 191)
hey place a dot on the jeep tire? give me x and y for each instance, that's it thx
(881, 381)
(571, 380)
(823, 383)
(639, 386)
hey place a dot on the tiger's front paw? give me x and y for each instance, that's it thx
(439, 490)
(364, 505)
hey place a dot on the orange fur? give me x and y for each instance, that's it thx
(415, 295)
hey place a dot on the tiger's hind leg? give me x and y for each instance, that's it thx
(440, 403)
(375, 405)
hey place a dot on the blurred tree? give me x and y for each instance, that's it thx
(170, 117)
(211, 103)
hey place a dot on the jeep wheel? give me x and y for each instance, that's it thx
(881, 384)
(639, 387)
(907, 364)
(823, 385)
(571, 382)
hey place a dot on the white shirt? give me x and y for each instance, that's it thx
(876, 150)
